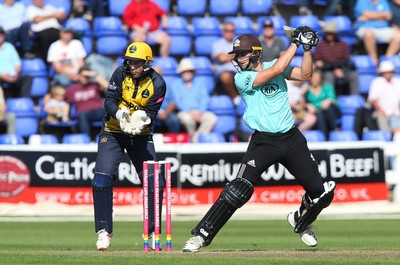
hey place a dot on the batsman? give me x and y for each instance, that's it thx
(276, 139)
(133, 99)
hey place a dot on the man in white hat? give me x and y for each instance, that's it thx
(384, 95)
(191, 96)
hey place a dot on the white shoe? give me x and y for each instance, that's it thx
(306, 236)
(152, 241)
(103, 240)
(193, 244)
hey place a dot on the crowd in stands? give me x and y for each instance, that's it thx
(79, 43)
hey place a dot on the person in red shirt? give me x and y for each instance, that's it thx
(87, 97)
(143, 19)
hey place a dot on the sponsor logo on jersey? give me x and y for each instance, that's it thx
(160, 100)
(270, 89)
(252, 163)
(247, 81)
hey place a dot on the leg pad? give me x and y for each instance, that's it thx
(310, 209)
(235, 194)
(102, 188)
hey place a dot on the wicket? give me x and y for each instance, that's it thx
(157, 225)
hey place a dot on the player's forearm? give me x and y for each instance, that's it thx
(306, 66)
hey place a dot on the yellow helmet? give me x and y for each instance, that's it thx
(138, 50)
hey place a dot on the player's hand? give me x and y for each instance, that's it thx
(123, 117)
(306, 36)
(138, 120)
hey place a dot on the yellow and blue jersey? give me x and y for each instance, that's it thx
(145, 93)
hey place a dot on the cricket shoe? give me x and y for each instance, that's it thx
(193, 244)
(103, 240)
(307, 236)
(152, 241)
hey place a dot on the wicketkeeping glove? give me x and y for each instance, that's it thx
(138, 120)
(123, 117)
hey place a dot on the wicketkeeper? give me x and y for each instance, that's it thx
(276, 139)
(133, 99)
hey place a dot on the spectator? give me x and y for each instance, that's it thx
(333, 7)
(224, 69)
(13, 20)
(95, 8)
(67, 56)
(142, 17)
(384, 95)
(14, 84)
(304, 118)
(55, 106)
(321, 99)
(45, 24)
(168, 113)
(332, 56)
(272, 46)
(395, 7)
(373, 17)
(87, 97)
(192, 99)
(7, 119)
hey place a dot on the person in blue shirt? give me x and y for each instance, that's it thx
(373, 19)
(276, 139)
(191, 97)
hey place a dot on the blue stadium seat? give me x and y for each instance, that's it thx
(376, 135)
(181, 40)
(311, 21)
(288, 2)
(224, 8)
(26, 121)
(203, 44)
(296, 61)
(111, 38)
(347, 122)
(82, 30)
(206, 26)
(364, 82)
(314, 136)
(76, 138)
(21, 106)
(116, 8)
(343, 136)
(225, 124)
(243, 25)
(344, 26)
(164, 4)
(203, 65)
(363, 64)
(11, 139)
(168, 65)
(211, 137)
(40, 79)
(191, 8)
(349, 104)
(221, 105)
(256, 7)
(43, 139)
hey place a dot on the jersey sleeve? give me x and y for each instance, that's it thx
(244, 81)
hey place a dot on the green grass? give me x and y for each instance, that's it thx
(239, 242)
